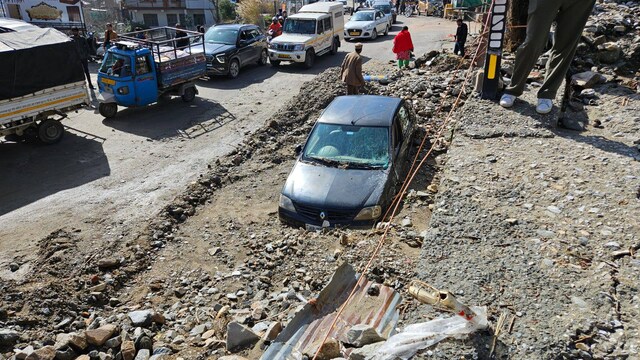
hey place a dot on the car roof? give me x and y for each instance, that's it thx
(365, 110)
(306, 16)
(234, 26)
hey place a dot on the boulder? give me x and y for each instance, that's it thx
(44, 353)
(8, 337)
(77, 341)
(143, 354)
(363, 334)
(100, 335)
(366, 352)
(140, 317)
(239, 336)
(128, 350)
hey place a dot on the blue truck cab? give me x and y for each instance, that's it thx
(137, 72)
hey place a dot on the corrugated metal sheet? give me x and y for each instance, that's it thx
(309, 326)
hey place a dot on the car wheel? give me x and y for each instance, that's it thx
(334, 47)
(386, 31)
(374, 34)
(418, 12)
(275, 63)
(108, 110)
(309, 58)
(189, 94)
(264, 57)
(50, 131)
(234, 68)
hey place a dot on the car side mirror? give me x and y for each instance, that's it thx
(298, 149)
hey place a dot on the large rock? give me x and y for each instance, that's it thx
(239, 336)
(128, 350)
(44, 353)
(609, 53)
(143, 354)
(21, 354)
(587, 79)
(366, 352)
(140, 317)
(100, 335)
(272, 331)
(77, 341)
(330, 349)
(232, 357)
(363, 334)
(8, 337)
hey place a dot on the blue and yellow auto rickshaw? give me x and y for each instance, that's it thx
(138, 70)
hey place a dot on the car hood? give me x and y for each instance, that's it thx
(292, 38)
(358, 24)
(215, 48)
(332, 187)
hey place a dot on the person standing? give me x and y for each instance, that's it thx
(109, 37)
(351, 72)
(461, 37)
(83, 51)
(570, 16)
(182, 37)
(402, 47)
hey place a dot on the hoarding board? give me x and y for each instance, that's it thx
(53, 13)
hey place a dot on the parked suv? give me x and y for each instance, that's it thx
(228, 48)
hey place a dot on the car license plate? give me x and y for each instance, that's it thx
(108, 81)
(354, 33)
(310, 227)
(284, 56)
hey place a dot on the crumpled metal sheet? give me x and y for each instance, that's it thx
(309, 326)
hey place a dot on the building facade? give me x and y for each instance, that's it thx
(154, 13)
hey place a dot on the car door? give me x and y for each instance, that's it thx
(245, 50)
(146, 85)
(259, 41)
(381, 21)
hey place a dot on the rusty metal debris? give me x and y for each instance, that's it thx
(309, 326)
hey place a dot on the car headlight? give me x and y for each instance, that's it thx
(286, 203)
(369, 213)
(221, 58)
(298, 47)
(123, 90)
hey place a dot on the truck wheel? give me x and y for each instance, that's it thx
(234, 68)
(50, 131)
(334, 47)
(189, 94)
(275, 63)
(309, 58)
(108, 110)
(264, 57)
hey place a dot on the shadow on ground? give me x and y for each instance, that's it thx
(34, 171)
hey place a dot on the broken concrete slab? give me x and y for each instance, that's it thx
(363, 334)
(240, 336)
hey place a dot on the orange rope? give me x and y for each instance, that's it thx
(396, 202)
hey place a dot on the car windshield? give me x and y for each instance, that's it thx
(384, 8)
(348, 146)
(300, 26)
(363, 16)
(116, 65)
(221, 36)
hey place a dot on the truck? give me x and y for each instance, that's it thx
(315, 30)
(146, 65)
(38, 87)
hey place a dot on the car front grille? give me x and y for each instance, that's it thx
(331, 215)
(282, 47)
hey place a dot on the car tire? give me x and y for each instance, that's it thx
(386, 31)
(309, 59)
(334, 47)
(108, 110)
(374, 34)
(418, 12)
(275, 63)
(189, 94)
(50, 131)
(264, 57)
(234, 68)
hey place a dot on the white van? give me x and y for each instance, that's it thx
(315, 30)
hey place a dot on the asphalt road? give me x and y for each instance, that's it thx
(107, 177)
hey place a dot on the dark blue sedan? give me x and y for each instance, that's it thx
(352, 164)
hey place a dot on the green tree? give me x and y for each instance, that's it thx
(227, 10)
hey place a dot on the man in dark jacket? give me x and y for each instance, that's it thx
(351, 72)
(182, 39)
(461, 37)
(83, 50)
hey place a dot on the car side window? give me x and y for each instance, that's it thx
(142, 65)
(327, 24)
(245, 35)
(320, 27)
(254, 33)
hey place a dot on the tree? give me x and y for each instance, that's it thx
(227, 10)
(517, 20)
(251, 11)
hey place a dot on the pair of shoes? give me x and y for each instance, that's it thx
(544, 106)
(506, 101)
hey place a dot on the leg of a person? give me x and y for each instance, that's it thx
(462, 49)
(85, 66)
(456, 48)
(406, 63)
(400, 63)
(352, 90)
(571, 19)
(541, 15)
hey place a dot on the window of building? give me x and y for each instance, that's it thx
(74, 14)
(198, 19)
(150, 20)
(172, 19)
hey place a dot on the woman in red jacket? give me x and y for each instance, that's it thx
(402, 47)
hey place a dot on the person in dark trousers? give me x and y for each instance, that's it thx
(351, 72)
(83, 51)
(461, 37)
(570, 16)
(182, 37)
